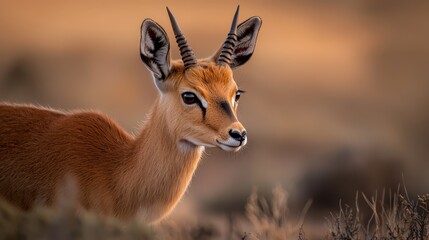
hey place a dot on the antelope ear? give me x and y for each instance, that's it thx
(155, 49)
(247, 34)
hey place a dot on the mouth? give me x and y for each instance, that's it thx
(229, 147)
(197, 143)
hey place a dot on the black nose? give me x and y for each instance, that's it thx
(239, 136)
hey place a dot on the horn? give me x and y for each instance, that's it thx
(186, 52)
(230, 42)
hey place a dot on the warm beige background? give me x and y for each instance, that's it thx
(337, 95)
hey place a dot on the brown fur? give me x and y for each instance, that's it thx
(117, 174)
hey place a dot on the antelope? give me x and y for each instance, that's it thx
(118, 174)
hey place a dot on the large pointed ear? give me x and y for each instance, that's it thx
(155, 49)
(247, 34)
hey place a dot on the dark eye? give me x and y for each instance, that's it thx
(189, 98)
(238, 95)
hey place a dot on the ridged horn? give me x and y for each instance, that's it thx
(230, 42)
(186, 52)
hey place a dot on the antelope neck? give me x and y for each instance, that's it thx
(161, 169)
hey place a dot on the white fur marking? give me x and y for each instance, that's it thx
(204, 102)
(198, 143)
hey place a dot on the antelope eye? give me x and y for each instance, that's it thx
(238, 95)
(189, 98)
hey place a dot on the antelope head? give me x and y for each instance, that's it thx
(199, 97)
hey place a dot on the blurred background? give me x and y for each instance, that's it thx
(337, 91)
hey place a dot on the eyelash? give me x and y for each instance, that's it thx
(238, 94)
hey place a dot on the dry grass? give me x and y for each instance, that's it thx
(345, 224)
(44, 223)
(271, 220)
(393, 216)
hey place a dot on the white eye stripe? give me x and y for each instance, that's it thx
(204, 102)
(233, 101)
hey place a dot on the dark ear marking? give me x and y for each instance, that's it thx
(247, 34)
(155, 49)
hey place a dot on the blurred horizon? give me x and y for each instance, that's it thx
(337, 91)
